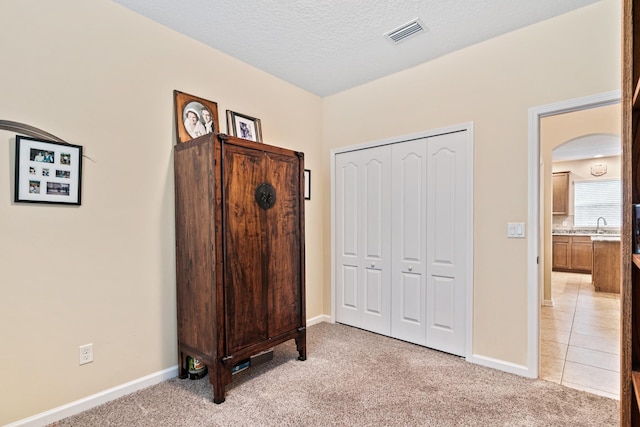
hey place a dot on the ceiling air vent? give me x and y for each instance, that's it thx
(405, 31)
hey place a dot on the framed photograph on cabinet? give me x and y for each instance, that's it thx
(47, 171)
(307, 184)
(244, 127)
(194, 116)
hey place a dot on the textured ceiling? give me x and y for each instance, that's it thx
(326, 46)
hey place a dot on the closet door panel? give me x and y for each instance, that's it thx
(375, 220)
(447, 247)
(373, 292)
(408, 203)
(349, 294)
(412, 295)
(348, 252)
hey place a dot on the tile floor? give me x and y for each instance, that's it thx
(580, 336)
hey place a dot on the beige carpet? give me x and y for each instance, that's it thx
(357, 378)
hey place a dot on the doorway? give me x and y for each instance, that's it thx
(568, 329)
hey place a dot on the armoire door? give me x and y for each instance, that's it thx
(245, 290)
(262, 291)
(282, 227)
(363, 227)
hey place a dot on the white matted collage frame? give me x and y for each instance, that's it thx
(47, 171)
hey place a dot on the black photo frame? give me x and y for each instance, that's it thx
(47, 171)
(245, 127)
(307, 184)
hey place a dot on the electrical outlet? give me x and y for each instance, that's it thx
(86, 353)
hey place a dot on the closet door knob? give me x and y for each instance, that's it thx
(410, 268)
(373, 264)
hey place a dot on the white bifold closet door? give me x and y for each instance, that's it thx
(363, 236)
(402, 240)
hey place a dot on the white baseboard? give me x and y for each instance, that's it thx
(500, 365)
(64, 411)
(318, 319)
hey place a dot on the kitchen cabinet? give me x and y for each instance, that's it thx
(561, 253)
(572, 254)
(240, 274)
(581, 254)
(606, 266)
(561, 193)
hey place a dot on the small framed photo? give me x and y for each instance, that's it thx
(194, 116)
(244, 127)
(307, 184)
(47, 171)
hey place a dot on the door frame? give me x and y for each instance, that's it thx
(534, 216)
(462, 127)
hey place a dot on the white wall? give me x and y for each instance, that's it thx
(493, 84)
(98, 75)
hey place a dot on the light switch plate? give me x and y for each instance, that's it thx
(515, 230)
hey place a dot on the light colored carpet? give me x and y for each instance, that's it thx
(357, 378)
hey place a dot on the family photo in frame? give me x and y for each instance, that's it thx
(47, 171)
(245, 127)
(194, 116)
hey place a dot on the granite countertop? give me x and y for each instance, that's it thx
(604, 235)
(605, 238)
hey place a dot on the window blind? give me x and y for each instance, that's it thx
(594, 199)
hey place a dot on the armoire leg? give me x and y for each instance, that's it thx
(301, 343)
(183, 371)
(217, 381)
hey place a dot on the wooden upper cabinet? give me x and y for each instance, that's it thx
(561, 193)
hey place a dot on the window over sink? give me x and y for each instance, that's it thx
(597, 198)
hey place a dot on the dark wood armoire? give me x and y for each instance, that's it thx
(240, 270)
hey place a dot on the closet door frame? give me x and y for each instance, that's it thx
(463, 127)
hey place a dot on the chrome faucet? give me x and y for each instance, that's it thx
(598, 224)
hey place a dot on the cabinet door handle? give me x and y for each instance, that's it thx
(373, 264)
(410, 268)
